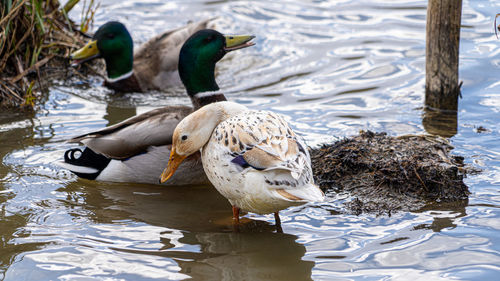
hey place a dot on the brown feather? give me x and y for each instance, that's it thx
(265, 143)
(161, 54)
(293, 148)
(126, 85)
(288, 196)
(134, 135)
(260, 159)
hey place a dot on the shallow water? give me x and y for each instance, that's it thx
(333, 68)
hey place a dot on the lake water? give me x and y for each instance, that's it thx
(333, 68)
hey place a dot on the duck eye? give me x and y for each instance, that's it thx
(110, 35)
(209, 39)
(184, 137)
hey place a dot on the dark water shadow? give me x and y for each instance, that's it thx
(19, 124)
(116, 114)
(440, 122)
(247, 256)
(204, 218)
(457, 210)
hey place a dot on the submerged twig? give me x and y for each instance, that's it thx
(496, 27)
(31, 68)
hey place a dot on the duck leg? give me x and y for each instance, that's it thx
(278, 222)
(236, 214)
(236, 219)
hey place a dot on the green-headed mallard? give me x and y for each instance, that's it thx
(253, 158)
(136, 149)
(152, 67)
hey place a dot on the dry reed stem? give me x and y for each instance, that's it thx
(32, 34)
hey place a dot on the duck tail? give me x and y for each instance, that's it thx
(306, 193)
(87, 164)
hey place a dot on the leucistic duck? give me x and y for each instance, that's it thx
(152, 67)
(253, 158)
(137, 149)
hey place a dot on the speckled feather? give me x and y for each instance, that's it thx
(276, 171)
(263, 138)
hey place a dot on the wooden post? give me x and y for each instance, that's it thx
(441, 60)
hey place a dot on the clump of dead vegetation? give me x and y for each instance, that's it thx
(36, 38)
(384, 173)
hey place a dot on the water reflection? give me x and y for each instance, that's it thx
(444, 215)
(190, 226)
(247, 256)
(333, 68)
(187, 208)
(116, 114)
(12, 125)
(440, 122)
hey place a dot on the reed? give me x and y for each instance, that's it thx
(33, 35)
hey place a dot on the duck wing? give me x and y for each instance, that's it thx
(160, 55)
(265, 142)
(134, 135)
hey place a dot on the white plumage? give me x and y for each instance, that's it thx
(279, 170)
(253, 158)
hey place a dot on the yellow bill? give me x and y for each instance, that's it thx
(86, 53)
(173, 163)
(235, 42)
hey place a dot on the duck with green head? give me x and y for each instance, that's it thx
(152, 67)
(136, 149)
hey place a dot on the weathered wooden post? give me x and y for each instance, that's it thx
(441, 63)
(441, 59)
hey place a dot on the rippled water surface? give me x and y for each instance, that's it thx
(333, 67)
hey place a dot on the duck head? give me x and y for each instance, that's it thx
(113, 42)
(201, 52)
(195, 130)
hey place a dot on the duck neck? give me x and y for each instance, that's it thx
(203, 98)
(125, 83)
(119, 65)
(198, 76)
(212, 115)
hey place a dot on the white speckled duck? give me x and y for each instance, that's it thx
(252, 158)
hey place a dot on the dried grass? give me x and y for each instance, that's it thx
(34, 35)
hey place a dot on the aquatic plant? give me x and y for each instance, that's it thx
(34, 34)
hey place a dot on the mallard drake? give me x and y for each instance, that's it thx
(152, 67)
(136, 149)
(253, 158)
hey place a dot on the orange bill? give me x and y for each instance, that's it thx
(173, 163)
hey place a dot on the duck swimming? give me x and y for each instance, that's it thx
(152, 67)
(253, 158)
(137, 149)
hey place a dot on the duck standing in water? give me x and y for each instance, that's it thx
(252, 158)
(152, 67)
(137, 149)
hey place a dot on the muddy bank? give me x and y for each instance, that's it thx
(383, 174)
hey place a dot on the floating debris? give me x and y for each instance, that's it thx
(496, 27)
(383, 174)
